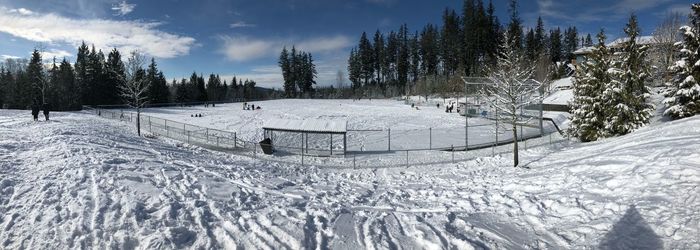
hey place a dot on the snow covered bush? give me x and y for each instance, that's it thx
(683, 97)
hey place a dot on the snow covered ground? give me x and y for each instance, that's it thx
(410, 127)
(80, 181)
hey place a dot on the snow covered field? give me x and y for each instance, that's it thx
(80, 181)
(409, 127)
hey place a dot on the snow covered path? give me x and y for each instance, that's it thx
(84, 182)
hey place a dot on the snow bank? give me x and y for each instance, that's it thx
(83, 182)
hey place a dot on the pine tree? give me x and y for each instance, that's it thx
(378, 56)
(531, 52)
(625, 97)
(451, 42)
(429, 50)
(81, 73)
(555, 47)
(539, 36)
(39, 83)
(587, 121)
(589, 41)
(114, 72)
(68, 95)
(515, 27)
(366, 58)
(683, 97)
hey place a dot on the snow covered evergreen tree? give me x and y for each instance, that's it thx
(587, 121)
(625, 97)
(683, 97)
(512, 88)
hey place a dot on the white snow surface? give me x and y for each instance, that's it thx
(561, 97)
(80, 181)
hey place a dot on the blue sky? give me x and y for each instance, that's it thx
(244, 37)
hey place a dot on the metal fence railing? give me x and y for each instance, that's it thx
(389, 156)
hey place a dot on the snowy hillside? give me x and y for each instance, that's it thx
(80, 181)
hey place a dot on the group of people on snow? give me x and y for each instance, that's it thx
(250, 107)
(36, 108)
(449, 108)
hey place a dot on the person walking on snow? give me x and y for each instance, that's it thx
(46, 108)
(35, 111)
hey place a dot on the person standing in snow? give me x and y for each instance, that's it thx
(35, 111)
(46, 108)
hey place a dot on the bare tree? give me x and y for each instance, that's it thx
(512, 89)
(134, 85)
(665, 37)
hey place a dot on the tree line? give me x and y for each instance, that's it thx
(93, 79)
(465, 44)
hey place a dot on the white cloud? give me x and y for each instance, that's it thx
(242, 48)
(595, 12)
(242, 24)
(123, 8)
(57, 53)
(5, 57)
(21, 11)
(104, 34)
(239, 49)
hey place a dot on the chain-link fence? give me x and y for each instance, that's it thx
(366, 148)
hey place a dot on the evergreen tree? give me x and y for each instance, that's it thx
(285, 65)
(683, 96)
(588, 42)
(157, 88)
(366, 58)
(3, 86)
(39, 83)
(429, 50)
(531, 52)
(354, 73)
(378, 56)
(452, 52)
(570, 43)
(555, 47)
(587, 121)
(81, 79)
(625, 97)
(67, 90)
(114, 72)
(539, 36)
(515, 27)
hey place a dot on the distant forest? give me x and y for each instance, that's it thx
(465, 44)
(93, 79)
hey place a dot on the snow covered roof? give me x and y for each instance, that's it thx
(618, 42)
(308, 125)
(562, 83)
(561, 97)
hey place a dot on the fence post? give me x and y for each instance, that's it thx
(453, 153)
(406, 158)
(353, 162)
(234, 140)
(150, 129)
(217, 141)
(389, 136)
(431, 137)
(188, 137)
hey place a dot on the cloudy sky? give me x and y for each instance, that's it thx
(243, 38)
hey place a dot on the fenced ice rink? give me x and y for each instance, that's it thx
(366, 148)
